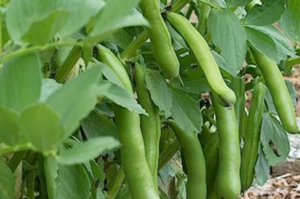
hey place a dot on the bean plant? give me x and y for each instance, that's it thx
(144, 99)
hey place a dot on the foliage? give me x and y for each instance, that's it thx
(63, 133)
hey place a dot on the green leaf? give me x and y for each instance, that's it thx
(284, 49)
(262, 43)
(96, 125)
(122, 97)
(72, 182)
(222, 63)
(290, 21)
(274, 140)
(193, 82)
(262, 168)
(218, 3)
(236, 3)
(228, 33)
(267, 13)
(86, 151)
(9, 126)
(20, 82)
(159, 91)
(49, 86)
(41, 127)
(50, 168)
(74, 101)
(7, 181)
(125, 15)
(109, 74)
(36, 22)
(292, 91)
(186, 113)
(269, 99)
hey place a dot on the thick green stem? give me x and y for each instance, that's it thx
(15, 160)
(42, 188)
(30, 185)
(134, 46)
(252, 4)
(32, 49)
(168, 153)
(292, 62)
(190, 10)
(68, 64)
(118, 180)
(204, 13)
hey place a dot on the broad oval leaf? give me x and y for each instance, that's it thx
(124, 15)
(122, 97)
(267, 13)
(7, 181)
(274, 140)
(185, 112)
(96, 125)
(283, 46)
(262, 43)
(290, 21)
(20, 82)
(41, 127)
(72, 182)
(236, 3)
(36, 22)
(228, 33)
(159, 90)
(83, 152)
(74, 101)
(9, 126)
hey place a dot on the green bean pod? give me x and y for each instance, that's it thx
(195, 162)
(160, 39)
(252, 136)
(280, 94)
(204, 57)
(133, 156)
(229, 182)
(150, 125)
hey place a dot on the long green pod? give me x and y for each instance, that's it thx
(238, 87)
(204, 57)
(195, 163)
(229, 182)
(150, 125)
(252, 135)
(133, 155)
(160, 39)
(280, 94)
(107, 57)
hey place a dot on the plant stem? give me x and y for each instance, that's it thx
(15, 160)
(252, 4)
(43, 189)
(30, 185)
(68, 64)
(168, 153)
(134, 46)
(292, 62)
(118, 180)
(190, 10)
(23, 51)
(144, 36)
(203, 17)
